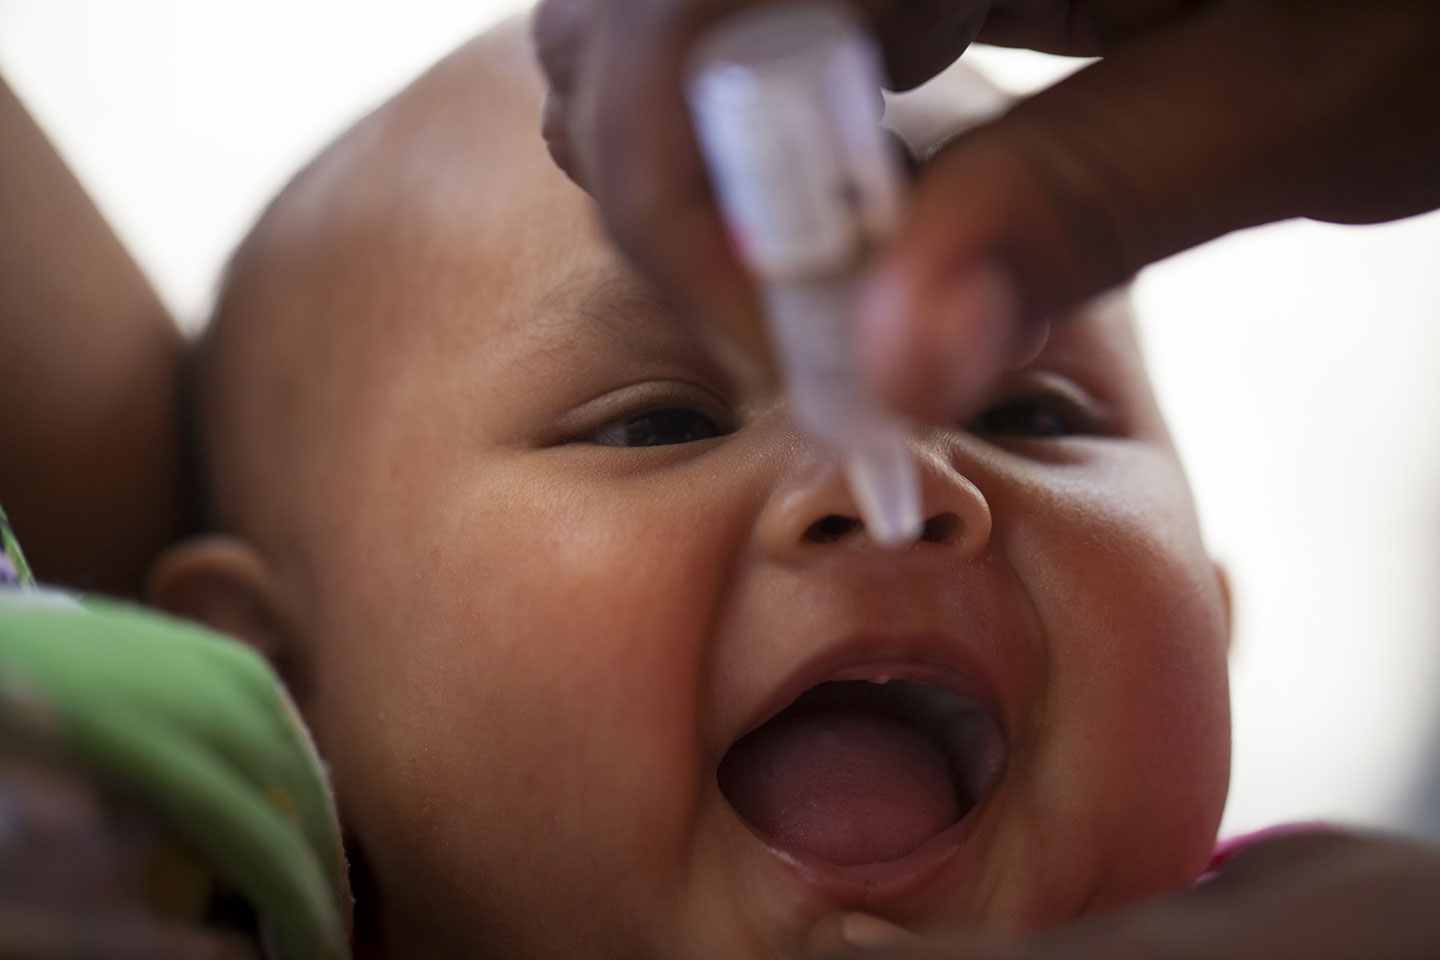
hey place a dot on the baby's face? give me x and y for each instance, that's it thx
(564, 558)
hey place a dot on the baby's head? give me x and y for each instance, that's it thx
(536, 558)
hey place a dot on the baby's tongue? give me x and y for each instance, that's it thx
(848, 787)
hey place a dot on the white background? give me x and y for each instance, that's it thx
(1298, 362)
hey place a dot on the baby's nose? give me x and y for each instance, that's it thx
(814, 509)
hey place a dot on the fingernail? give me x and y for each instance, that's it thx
(845, 933)
(869, 932)
(929, 350)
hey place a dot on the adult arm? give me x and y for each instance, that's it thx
(90, 442)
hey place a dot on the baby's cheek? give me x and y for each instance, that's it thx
(475, 784)
(1132, 752)
(528, 738)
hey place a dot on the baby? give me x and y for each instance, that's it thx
(590, 636)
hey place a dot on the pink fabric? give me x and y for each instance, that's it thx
(1227, 850)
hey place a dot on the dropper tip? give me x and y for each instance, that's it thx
(886, 487)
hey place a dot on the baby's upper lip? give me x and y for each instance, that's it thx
(968, 629)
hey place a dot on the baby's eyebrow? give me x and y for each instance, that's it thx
(609, 300)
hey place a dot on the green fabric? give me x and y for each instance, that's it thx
(199, 727)
(13, 568)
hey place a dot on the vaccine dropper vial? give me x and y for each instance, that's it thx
(786, 102)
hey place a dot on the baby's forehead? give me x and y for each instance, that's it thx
(447, 194)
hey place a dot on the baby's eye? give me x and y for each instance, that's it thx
(1037, 416)
(656, 428)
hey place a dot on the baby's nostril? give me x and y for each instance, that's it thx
(831, 528)
(941, 528)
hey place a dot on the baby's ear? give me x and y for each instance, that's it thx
(1222, 577)
(224, 583)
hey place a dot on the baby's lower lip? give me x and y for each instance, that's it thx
(873, 885)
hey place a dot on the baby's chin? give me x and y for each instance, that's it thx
(761, 905)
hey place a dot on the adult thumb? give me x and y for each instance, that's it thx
(1241, 114)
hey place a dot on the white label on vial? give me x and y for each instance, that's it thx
(779, 175)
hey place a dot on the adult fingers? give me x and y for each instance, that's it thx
(1085, 28)
(616, 121)
(1318, 897)
(1322, 897)
(560, 28)
(1238, 115)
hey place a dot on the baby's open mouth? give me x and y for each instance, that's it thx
(864, 771)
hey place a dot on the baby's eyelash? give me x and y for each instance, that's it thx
(1037, 415)
(650, 414)
(666, 426)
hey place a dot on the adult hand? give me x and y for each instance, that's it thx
(1203, 116)
(1318, 897)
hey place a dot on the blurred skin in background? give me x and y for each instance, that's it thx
(91, 470)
